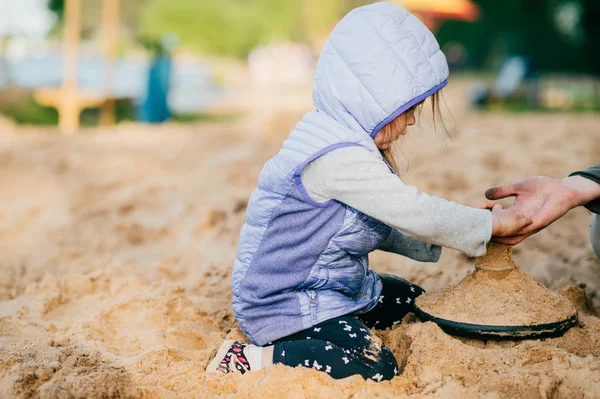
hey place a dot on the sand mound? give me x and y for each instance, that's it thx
(482, 298)
(497, 258)
(58, 369)
(497, 294)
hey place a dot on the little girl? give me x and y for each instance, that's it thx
(302, 288)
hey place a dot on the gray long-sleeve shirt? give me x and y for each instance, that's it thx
(356, 177)
(592, 173)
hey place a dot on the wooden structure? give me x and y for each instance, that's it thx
(68, 99)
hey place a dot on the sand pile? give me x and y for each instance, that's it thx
(497, 294)
(116, 250)
(498, 257)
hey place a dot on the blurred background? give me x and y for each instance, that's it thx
(90, 62)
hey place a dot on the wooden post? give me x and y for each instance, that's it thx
(71, 37)
(4, 64)
(68, 111)
(68, 100)
(110, 29)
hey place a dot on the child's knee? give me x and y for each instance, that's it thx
(386, 367)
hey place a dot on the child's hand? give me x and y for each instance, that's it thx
(505, 222)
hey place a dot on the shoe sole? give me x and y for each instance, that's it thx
(213, 366)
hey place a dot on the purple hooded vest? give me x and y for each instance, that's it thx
(301, 262)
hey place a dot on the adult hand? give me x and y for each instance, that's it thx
(543, 200)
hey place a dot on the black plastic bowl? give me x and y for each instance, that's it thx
(479, 331)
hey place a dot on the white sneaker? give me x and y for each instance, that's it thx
(230, 358)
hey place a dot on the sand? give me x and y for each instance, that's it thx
(497, 294)
(512, 300)
(498, 257)
(117, 246)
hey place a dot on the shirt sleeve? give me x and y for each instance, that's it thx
(592, 173)
(404, 245)
(359, 179)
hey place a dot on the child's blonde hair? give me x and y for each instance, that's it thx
(388, 153)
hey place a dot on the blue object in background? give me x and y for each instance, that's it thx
(154, 108)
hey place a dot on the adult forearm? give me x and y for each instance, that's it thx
(582, 190)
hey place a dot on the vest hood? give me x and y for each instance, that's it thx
(378, 62)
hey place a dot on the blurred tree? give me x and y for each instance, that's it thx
(235, 27)
(531, 28)
(591, 28)
(318, 18)
(57, 6)
(223, 27)
(535, 28)
(130, 12)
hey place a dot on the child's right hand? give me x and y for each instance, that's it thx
(506, 222)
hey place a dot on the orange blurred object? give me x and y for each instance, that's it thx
(432, 12)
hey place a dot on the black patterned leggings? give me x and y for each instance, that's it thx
(345, 346)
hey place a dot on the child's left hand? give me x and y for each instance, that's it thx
(505, 222)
